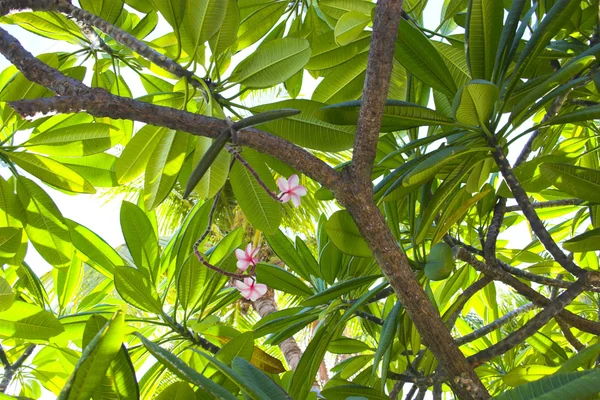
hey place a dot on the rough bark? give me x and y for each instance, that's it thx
(289, 347)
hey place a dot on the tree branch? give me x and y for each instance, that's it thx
(534, 220)
(548, 204)
(495, 324)
(377, 82)
(75, 97)
(534, 324)
(11, 370)
(464, 297)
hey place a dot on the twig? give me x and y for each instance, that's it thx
(548, 204)
(191, 336)
(242, 161)
(11, 370)
(369, 317)
(494, 325)
(464, 297)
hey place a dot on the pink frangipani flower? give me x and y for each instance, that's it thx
(246, 257)
(290, 189)
(251, 290)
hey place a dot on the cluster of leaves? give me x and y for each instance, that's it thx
(100, 314)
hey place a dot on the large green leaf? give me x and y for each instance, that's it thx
(273, 63)
(185, 372)
(280, 279)
(67, 281)
(484, 28)
(95, 360)
(388, 333)
(227, 34)
(216, 176)
(190, 282)
(306, 129)
(76, 140)
(326, 53)
(135, 288)
(258, 21)
(571, 385)
(397, 115)
(349, 27)
(120, 382)
(260, 209)
(456, 62)
(203, 18)
(587, 241)
(343, 392)
(337, 290)
(584, 114)
(51, 172)
(343, 232)
(345, 82)
(27, 321)
(420, 57)
(97, 169)
(108, 10)
(45, 226)
(474, 103)
(137, 153)
(12, 213)
(177, 391)
(284, 248)
(141, 240)
(10, 241)
(163, 167)
(97, 253)
(249, 373)
(7, 296)
(580, 182)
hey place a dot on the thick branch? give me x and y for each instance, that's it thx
(534, 324)
(375, 90)
(526, 291)
(464, 297)
(534, 220)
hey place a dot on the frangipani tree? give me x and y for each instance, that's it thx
(408, 275)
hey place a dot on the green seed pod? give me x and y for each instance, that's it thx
(440, 262)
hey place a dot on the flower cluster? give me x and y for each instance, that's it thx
(249, 288)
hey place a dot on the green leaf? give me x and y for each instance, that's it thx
(581, 358)
(141, 240)
(239, 346)
(474, 103)
(95, 360)
(280, 279)
(97, 169)
(190, 283)
(584, 114)
(249, 373)
(263, 212)
(306, 129)
(99, 254)
(108, 10)
(397, 115)
(27, 321)
(388, 333)
(273, 63)
(353, 392)
(345, 82)
(7, 296)
(216, 176)
(420, 57)
(553, 22)
(51, 172)
(571, 385)
(345, 345)
(172, 10)
(44, 224)
(76, 140)
(137, 153)
(284, 248)
(326, 53)
(349, 27)
(259, 21)
(587, 241)
(183, 371)
(163, 167)
(10, 241)
(177, 391)
(203, 18)
(67, 282)
(227, 34)
(343, 232)
(135, 288)
(484, 28)
(580, 182)
(338, 290)
(456, 62)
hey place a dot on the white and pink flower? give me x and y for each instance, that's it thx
(251, 290)
(247, 257)
(291, 189)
